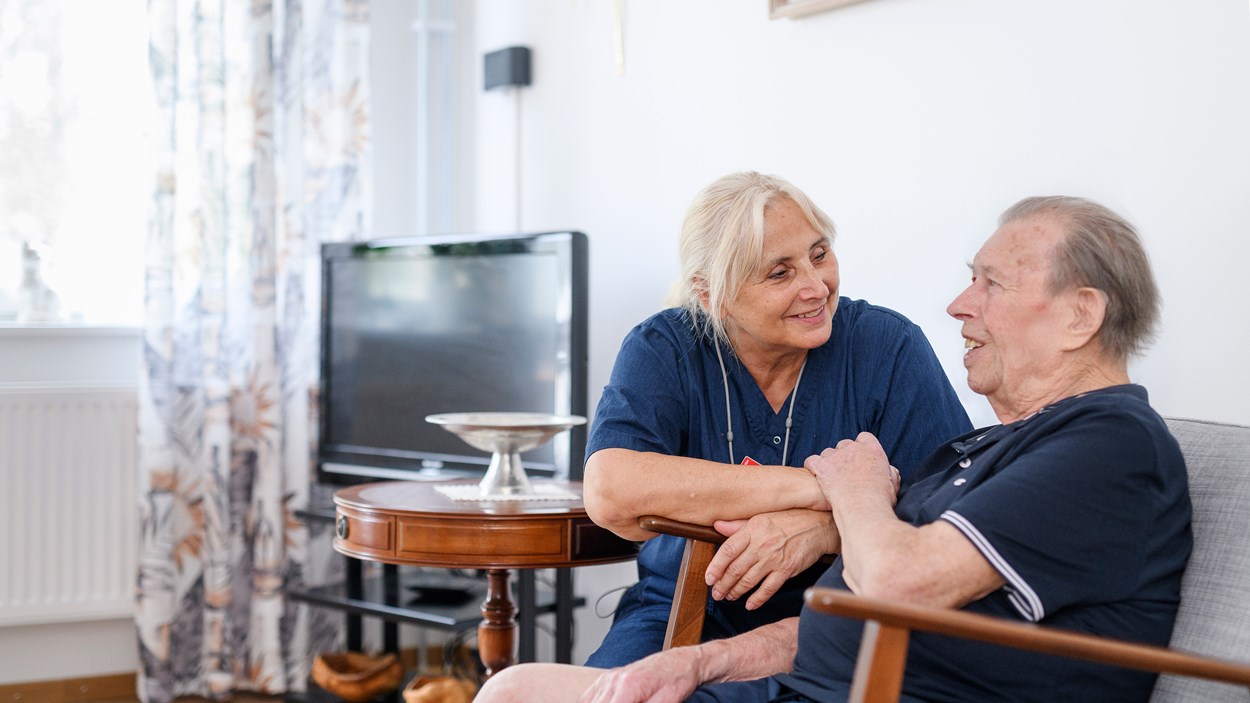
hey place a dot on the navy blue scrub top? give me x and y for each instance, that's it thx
(877, 373)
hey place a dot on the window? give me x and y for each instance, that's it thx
(75, 120)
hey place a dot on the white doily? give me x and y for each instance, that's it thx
(542, 491)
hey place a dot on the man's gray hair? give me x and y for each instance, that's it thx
(1100, 250)
(722, 240)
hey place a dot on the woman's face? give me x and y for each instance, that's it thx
(789, 302)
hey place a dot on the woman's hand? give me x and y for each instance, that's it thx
(666, 677)
(766, 551)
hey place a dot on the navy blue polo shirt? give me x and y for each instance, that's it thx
(877, 373)
(1083, 508)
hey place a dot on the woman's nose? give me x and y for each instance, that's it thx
(814, 285)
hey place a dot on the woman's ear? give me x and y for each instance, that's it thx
(699, 286)
(1089, 310)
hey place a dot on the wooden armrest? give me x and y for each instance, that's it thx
(677, 528)
(685, 618)
(893, 621)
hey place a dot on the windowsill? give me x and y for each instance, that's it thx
(64, 329)
(56, 354)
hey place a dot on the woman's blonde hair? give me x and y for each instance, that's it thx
(722, 240)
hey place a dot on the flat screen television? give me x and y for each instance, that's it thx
(437, 324)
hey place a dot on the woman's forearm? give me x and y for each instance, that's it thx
(622, 485)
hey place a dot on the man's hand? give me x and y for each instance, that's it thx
(855, 465)
(665, 677)
(766, 551)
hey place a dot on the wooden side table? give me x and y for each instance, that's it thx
(410, 522)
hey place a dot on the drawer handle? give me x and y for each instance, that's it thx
(340, 527)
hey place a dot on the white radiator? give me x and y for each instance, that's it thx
(67, 503)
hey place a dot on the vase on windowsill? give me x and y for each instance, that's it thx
(36, 301)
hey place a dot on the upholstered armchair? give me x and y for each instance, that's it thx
(1207, 660)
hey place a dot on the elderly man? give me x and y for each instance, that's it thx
(1073, 512)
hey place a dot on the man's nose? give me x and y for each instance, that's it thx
(960, 308)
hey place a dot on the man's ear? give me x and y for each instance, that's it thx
(1089, 310)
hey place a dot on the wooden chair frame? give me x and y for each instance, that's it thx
(685, 620)
(888, 626)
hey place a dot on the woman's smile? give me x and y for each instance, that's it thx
(812, 317)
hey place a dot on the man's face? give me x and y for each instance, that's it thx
(1011, 324)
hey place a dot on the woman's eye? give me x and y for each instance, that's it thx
(820, 255)
(778, 274)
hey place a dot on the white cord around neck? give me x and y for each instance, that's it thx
(729, 424)
(729, 431)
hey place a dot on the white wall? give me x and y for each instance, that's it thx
(913, 123)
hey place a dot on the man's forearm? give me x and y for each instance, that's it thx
(872, 536)
(764, 651)
(934, 564)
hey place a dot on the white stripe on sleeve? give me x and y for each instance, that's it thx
(1021, 595)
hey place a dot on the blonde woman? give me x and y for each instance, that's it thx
(760, 363)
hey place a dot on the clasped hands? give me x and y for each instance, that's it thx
(858, 464)
(765, 551)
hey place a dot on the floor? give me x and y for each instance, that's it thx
(238, 698)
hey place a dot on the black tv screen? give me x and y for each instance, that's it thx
(418, 326)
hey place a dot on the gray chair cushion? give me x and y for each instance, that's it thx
(1214, 617)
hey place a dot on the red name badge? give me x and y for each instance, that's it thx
(748, 461)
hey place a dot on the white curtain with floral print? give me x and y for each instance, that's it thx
(263, 154)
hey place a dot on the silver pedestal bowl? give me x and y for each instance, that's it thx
(505, 436)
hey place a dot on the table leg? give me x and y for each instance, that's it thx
(496, 636)
(356, 591)
(390, 628)
(527, 619)
(564, 615)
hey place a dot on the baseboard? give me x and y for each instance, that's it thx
(80, 690)
(88, 689)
